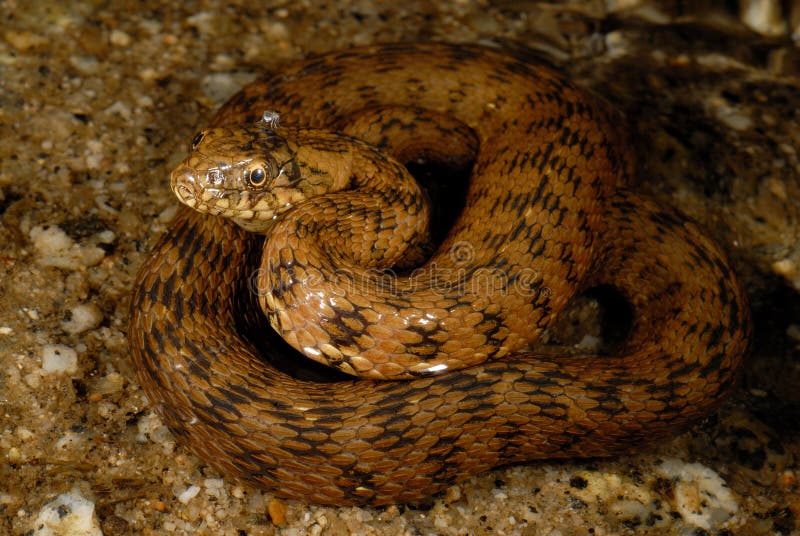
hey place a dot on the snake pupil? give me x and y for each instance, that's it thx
(256, 177)
(197, 139)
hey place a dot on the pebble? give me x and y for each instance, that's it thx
(69, 514)
(83, 317)
(785, 267)
(151, 426)
(763, 16)
(24, 40)
(68, 442)
(589, 343)
(220, 86)
(701, 495)
(168, 213)
(111, 383)
(188, 494)
(119, 38)
(204, 22)
(277, 511)
(214, 487)
(55, 248)
(731, 116)
(793, 331)
(58, 358)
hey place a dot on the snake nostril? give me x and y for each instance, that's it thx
(184, 184)
(184, 192)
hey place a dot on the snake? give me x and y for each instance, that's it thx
(435, 381)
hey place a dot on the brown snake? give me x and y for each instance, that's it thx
(545, 198)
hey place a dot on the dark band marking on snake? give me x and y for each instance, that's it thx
(548, 193)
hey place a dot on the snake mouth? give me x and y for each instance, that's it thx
(185, 195)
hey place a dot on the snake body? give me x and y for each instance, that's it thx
(547, 194)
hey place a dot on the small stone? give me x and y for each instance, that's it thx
(277, 512)
(25, 40)
(784, 267)
(57, 358)
(589, 343)
(733, 117)
(114, 525)
(69, 514)
(87, 65)
(68, 442)
(108, 384)
(214, 487)
(452, 494)
(94, 154)
(83, 317)
(49, 240)
(188, 494)
(168, 213)
(219, 86)
(701, 496)
(275, 31)
(6, 330)
(14, 455)
(119, 38)
(55, 248)
(763, 16)
(204, 21)
(793, 331)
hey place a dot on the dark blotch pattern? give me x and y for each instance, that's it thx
(547, 155)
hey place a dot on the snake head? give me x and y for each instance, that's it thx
(247, 174)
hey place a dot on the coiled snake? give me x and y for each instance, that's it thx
(546, 212)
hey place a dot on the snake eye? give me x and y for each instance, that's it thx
(197, 139)
(256, 177)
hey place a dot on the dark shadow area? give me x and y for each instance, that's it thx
(615, 316)
(446, 186)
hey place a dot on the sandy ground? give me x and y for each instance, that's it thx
(100, 100)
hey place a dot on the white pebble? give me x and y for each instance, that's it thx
(106, 237)
(120, 109)
(5, 330)
(57, 358)
(589, 343)
(49, 240)
(150, 427)
(189, 494)
(94, 154)
(214, 487)
(147, 424)
(701, 496)
(793, 331)
(85, 64)
(219, 86)
(84, 316)
(733, 117)
(68, 514)
(213, 483)
(763, 16)
(119, 38)
(55, 248)
(68, 442)
(168, 213)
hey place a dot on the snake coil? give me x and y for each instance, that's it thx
(548, 193)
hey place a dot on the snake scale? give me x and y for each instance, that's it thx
(547, 197)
